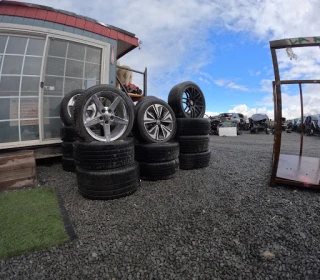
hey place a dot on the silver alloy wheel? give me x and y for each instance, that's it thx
(158, 122)
(193, 102)
(111, 114)
(91, 110)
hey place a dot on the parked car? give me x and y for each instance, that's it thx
(243, 123)
(259, 122)
(214, 122)
(312, 124)
(230, 117)
(300, 126)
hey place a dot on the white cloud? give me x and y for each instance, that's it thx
(177, 41)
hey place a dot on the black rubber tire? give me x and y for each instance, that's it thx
(102, 196)
(104, 155)
(64, 115)
(79, 106)
(68, 134)
(158, 171)
(108, 184)
(194, 144)
(141, 132)
(68, 164)
(192, 126)
(194, 161)
(141, 101)
(156, 152)
(135, 130)
(67, 149)
(175, 100)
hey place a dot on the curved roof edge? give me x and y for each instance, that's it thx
(22, 9)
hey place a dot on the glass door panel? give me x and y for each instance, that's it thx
(20, 68)
(69, 66)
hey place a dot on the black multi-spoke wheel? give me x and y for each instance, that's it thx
(114, 114)
(187, 100)
(155, 121)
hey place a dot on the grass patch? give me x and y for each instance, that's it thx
(29, 220)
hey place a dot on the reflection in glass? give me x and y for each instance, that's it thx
(12, 64)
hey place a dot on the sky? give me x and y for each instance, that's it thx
(221, 45)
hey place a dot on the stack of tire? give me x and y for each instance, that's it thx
(154, 130)
(105, 165)
(67, 133)
(106, 170)
(188, 103)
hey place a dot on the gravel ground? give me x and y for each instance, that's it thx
(221, 222)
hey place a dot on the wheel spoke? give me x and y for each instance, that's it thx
(155, 109)
(114, 104)
(149, 120)
(93, 122)
(166, 131)
(150, 115)
(107, 134)
(98, 103)
(154, 132)
(120, 120)
(167, 118)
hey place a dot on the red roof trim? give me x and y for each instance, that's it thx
(23, 10)
(20, 11)
(41, 14)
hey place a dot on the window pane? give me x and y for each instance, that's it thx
(51, 106)
(71, 84)
(55, 84)
(76, 51)
(9, 131)
(93, 55)
(57, 48)
(9, 109)
(16, 45)
(52, 128)
(35, 47)
(32, 65)
(74, 68)
(29, 108)
(29, 130)
(90, 83)
(3, 41)
(30, 86)
(55, 66)
(9, 84)
(92, 71)
(12, 64)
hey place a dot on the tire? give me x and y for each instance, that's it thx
(66, 112)
(102, 196)
(192, 126)
(68, 134)
(155, 122)
(108, 184)
(156, 152)
(194, 144)
(194, 161)
(104, 155)
(135, 130)
(116, 115)
(141, 101)
(67, 149)
(158, 171)
(68, 164)
(187, 95)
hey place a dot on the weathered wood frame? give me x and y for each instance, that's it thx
(281, 44)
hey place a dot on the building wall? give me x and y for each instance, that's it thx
(69, 29)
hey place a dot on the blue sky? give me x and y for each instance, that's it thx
(222, 45)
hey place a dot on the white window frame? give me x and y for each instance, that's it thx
(45, 33)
